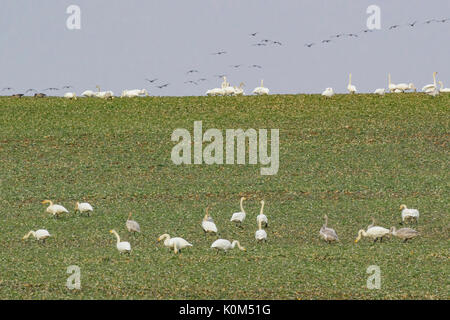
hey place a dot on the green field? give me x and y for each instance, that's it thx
(352, 157)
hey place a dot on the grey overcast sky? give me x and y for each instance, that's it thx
(121, 43)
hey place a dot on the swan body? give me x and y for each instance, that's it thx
(404, 233)
(261, 90)
(215, 92)
(122, 246)
(328, 92)
(54, 209)
(328, 234)
(430, 87)
(208, 224)
(380, 91)
(409, 214)
(83, 207)
(442, 89)
(40, 234)
(88, 93)
(132, 226)
(225, 245)
(104, 94)
(134, 93)
(174, 243)
(70, 95)
(238, 217)
(261, 217)
(405, 87)
(239, 91)
(351, 88)
(374, 233)
(260, 234)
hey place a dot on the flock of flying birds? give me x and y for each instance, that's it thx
(209, 227)
(190, 80)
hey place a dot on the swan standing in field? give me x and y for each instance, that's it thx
(83, 207)
(132, 226)
(225, 245)
(409, 214)
(374, 233)
(103, 94)
(380, 91)
(239, 91)
(54, 209)
(88, 93)
(328, 92)
(70, 95)
(261, 90)
(391, 86)
(261, 217)
(404, 233)
(238, 217)
(176, 243)
(260, 234)
(40, 234)
(328, 234)
(442, 89)
(430, 87)
(405, 87)
(122, 246)
(207, 224)
(351, 88)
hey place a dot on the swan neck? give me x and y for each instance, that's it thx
(242, 207)
(262, 207)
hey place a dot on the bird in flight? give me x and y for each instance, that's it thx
(220, 75)
(253, 34)
(352, 35)
(326, 41)
(235, 65)
(338, 35)
(51, 89)
(309, 45)
(201, 79)
(192, 71)
(151, 80)
(66, 87)
(255, 66)
(412, 24)
(219, 53)
(163, 86)
(367, 30)
(430, 21)
(192, 82)
(444, 20)
(7, 88)
(259, 44)
(394, 26)
(277, 42)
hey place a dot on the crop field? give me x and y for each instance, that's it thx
(351, 157)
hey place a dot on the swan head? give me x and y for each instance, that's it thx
(360, 232)
(162, 237)
(76, 205)
(46, 201)
(402, 207)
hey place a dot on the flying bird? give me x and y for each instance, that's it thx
(163, 86)
(192, 71)
(394, 26)
(338, 35)
(219, 53)
(352, 35)
(326, 41)
(367, 30)
(277, 42)
(190, 81)
(236, 65)
(220, 75)
(253, 34)
(259, 44)
(7, 88)
(50, 89)
(412, 24)
(152, 80)
(430, 21)
(202, 79)
(309, 45)
(66, 87)
(255, 66)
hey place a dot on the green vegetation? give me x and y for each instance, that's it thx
(351, 157)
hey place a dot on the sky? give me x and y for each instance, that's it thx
(121, 43)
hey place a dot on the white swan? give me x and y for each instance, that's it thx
(239, 91)
(132, 226)
(260, 234)
(409, 214)
(380, 91)
(405, 87)
(261, 217)
(134, 93)
(83, 207)
(174, 243)
(40, 234)
(374, 233)
(328, 92)
(430, 87)
(54, 209)
(328, 234)
(207, 224)
(122, 246)
(442, 89)
(238, 217)
(103, 94)
(70, 95)
(88, 93)
(404, 233)
(225, 245)
(391, 86)
(351, 88)
(261, 90)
